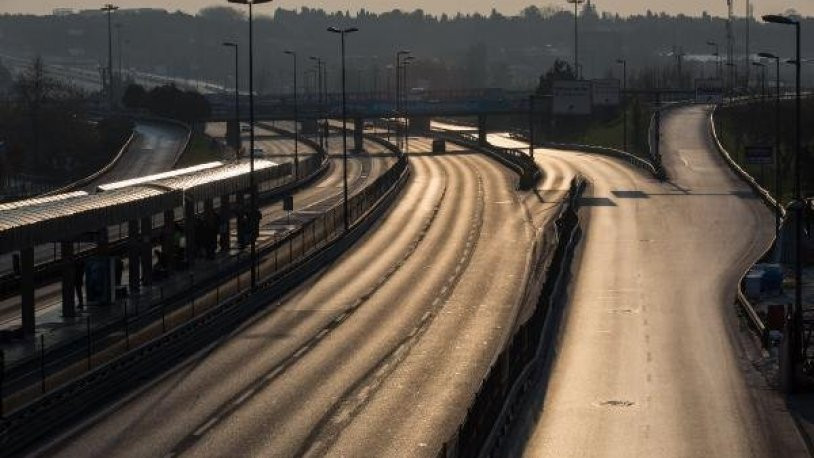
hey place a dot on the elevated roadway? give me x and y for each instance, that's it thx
(378, 355)
(653, 361)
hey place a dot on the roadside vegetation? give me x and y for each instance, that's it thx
(753, 124)
(48, 138)
(202, 148)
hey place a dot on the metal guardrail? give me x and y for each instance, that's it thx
(233, 304)
(487, 418)
(85, 181)
(525, 166)
(751, 314)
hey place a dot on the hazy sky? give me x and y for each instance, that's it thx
(692, 7)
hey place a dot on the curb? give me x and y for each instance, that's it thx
(754, 319)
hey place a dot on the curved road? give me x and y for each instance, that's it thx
(652, 362)
(379, 354)
(155, 149)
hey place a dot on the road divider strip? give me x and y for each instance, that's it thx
(489, 415)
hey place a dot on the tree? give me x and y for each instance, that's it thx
(559, 71)
(135, 97)
(6, 80)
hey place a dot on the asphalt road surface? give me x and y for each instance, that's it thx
(155, 149)
(652, 361)
(378, 355)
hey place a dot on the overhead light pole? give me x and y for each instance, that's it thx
(296, 118)
(236, 135)
(797, 318)
(321, 100)
(717, 58)
(623, 62)
(404, 64)
(254, 219)
(777, 174)
(762, 78)
(109, 9)
(404, 90)
(119, 50)
(342, 33)
(576, 35)
(397, 109)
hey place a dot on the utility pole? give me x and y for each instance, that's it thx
(576, 35)
(748, 51)
(730, 47)
(296, 118)
(109, 9)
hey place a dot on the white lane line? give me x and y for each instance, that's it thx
(199, 432)
(243, 397)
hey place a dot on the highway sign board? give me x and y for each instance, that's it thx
(709, 90)
(759, 155)
(606, 92)
(571, 98)
(288, 203)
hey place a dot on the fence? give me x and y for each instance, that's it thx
(487, 417)
(65, 382)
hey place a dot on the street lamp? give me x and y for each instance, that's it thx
(763, 76)
(296, 118)
(623, 62)
(255, 220)
(798, 208)
(407, 61)
(398, 76)
(576, 34)
(320, 92)
(109, 9)
(119, 49)
(777, 177)
(342, 33)
(236, 135)
(717, 58)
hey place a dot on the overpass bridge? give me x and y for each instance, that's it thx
(417, 108)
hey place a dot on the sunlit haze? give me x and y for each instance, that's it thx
(625, 7)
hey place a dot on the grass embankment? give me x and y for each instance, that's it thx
(603, 128)
(754, 124)
(202, 148)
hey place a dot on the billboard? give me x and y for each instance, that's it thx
(760, 155)
(606, 92)
(571, 98)
(709, 90)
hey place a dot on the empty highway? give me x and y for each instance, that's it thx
(652, 361)
(379, 354)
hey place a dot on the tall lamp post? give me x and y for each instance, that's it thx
(407, 61)
(109, 9)
(119, 49)
(296, 117)
(342, 33)
(576, 34)
(236, 136)
(254, 219)
(777, 176)
(404, 89)
(797, 318)
(321, 101)
(623, 62)
(762, 77)
(717, 58)
(397, 110)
